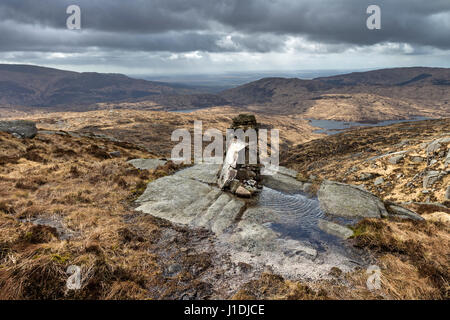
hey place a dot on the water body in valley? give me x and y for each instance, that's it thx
(331, 127)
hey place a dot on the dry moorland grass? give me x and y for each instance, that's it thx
(84, 193)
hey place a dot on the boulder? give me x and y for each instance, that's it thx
(395, 159)
(334, 229)
(19, 128)
(283, 182)
(344, 200)
(400, 212)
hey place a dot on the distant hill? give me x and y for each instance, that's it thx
(408, 91)
(385, 94)
(25, 85)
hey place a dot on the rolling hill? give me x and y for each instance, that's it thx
(404, 91)
(385, 94)
(26, 85)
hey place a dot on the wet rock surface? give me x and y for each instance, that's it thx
(275, 229)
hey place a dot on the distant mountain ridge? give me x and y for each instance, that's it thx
(424, 91)
(27, 85)
(384, 94)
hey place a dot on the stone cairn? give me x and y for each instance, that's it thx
(242, 179)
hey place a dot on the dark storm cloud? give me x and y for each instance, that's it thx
(254, 25)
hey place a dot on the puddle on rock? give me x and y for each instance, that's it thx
(296, 216)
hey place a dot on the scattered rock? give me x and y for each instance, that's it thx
(174, 269)
(417, 159)
(436, 145)
(115, 154)
(349, 201)
(447, 193)
(431, 177)
(147, 164)
(404, 213)
(364, 176)
(379, 181)
(19, 128)
(335, 229)
(396, 159)
(243, 193)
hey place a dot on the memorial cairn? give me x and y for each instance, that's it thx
(240, 173)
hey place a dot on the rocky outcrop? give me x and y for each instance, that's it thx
(431, 177)
(339, 199)
(344, 200)
(436, 145)
(244, 231)
(19, 128)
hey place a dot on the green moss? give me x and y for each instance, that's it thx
(358, 230)
(62, 259)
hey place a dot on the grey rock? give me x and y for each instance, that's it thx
(115, 154)
(174, 269)
(364, 176)
(431, 177)
(283, 182)
(389, 154)
(287, 172)
(206, 173)
(404, 213)
(396, 159)
(436, 145)
(447, 193)
(379, 181)
(147, 164)
(417, 159)
(335, 229)
(352, 169)
(20, 128)
(349, 201)
(177, 199)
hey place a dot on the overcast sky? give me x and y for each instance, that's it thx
(211, 36)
